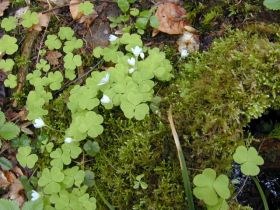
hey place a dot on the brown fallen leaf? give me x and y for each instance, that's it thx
(16, 192)
(4, 4)
(171, 19)
(53, 56)
(44, 20)
(74, 9)
(188, 42)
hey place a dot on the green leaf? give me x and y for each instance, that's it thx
(22, 141)
(9, 23)
(43, 65)
(9, 131)
(154, 21)
(248, 159)
(86, 8)
(25, 158)
(71, 61)
(92, 148)
(65, 33)
(33, 205)
(123, 5)
(207, 194)
(11, 81)
(7, 65)
(134, 12)
(8, 45)
(272, 4)
(29, 19)
(221, 186)
(55, 79)
(5, 164)
(8, 205)
(89, 178)
(72, 44)
(53, 42)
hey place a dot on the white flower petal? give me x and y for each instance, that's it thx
(131, 70)
(38, 123)
(105, 99)
(34, 195)
(68, 140)
(184, 53)
(142, 55)
(112, 38)
(137, 51)
(131, 61)
(104, 80)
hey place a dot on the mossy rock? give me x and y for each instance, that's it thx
(222, 90)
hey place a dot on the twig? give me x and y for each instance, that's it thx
(41, 44)
(241, 188)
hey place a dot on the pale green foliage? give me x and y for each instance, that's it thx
(72, 44)
(25, 158)
(249, 159)
(9, 23)
(8, 45)
(86, 8)
(92, 148)
(211, 189)
(73, 176)
(71, 62)
(11, 81)
(62, 156)
(8, 204)
(51, 179)
(65, 33)
(272, 4)
(43, 65)
(29, 19)
(55, 80)
(7, 65)
(53, 42)
(8, 130)
(12, 205)
(139, 183)
(5, 164)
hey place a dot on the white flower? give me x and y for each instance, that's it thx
(68, 140)
(34, 195)
(105, 99)
(137, 51)
(131, 61)
(131, 70)
(112, 38)
(39, 123)
(142, 55)
(184, 53)
(104, 80)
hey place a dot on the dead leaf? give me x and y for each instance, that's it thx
(16, 192)
(4, 182)
(21, 11)
(4, 4)
(53, 56)
(74, 9)
(44, 20)
(171, 19)
(188, 42)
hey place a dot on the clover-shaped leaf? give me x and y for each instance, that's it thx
(60, 158)
(8, 45)
(209, 188)
(29, 19)
(131, 110)
(65, 33)
(86, 8)
(53, 42)
(73, 176)
(7, 65)
(11, 81)
(92, 148)
(9, 23)
(55, 79)
(249, 159)
(72, 148)
(72, 44)
(71, 61)
(24, 157)
(50, 180)
(43, 65)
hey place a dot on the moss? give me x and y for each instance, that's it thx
(135, 148)
(221, 91)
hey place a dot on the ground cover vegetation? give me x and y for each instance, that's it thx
(84, 122)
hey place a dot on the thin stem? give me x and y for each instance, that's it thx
(185, 173)
(265, 204)
(104, 199)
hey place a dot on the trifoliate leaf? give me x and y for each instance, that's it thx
(9, 131)
(8, 45)
(53, 42)
(86, 8)
(65, 33)
(11, 81)
(71, 61)
(72, 44)
(43, 65)
(29, 19)
(272, 4)
(8, 205)
(5, 164)
(33, 205)
(55, 79)
(9, 23)
(248, 159)
(7, 65)
(92, 148)
(25, 158)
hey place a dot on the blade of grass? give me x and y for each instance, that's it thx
(185, 173)
(265, 205)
